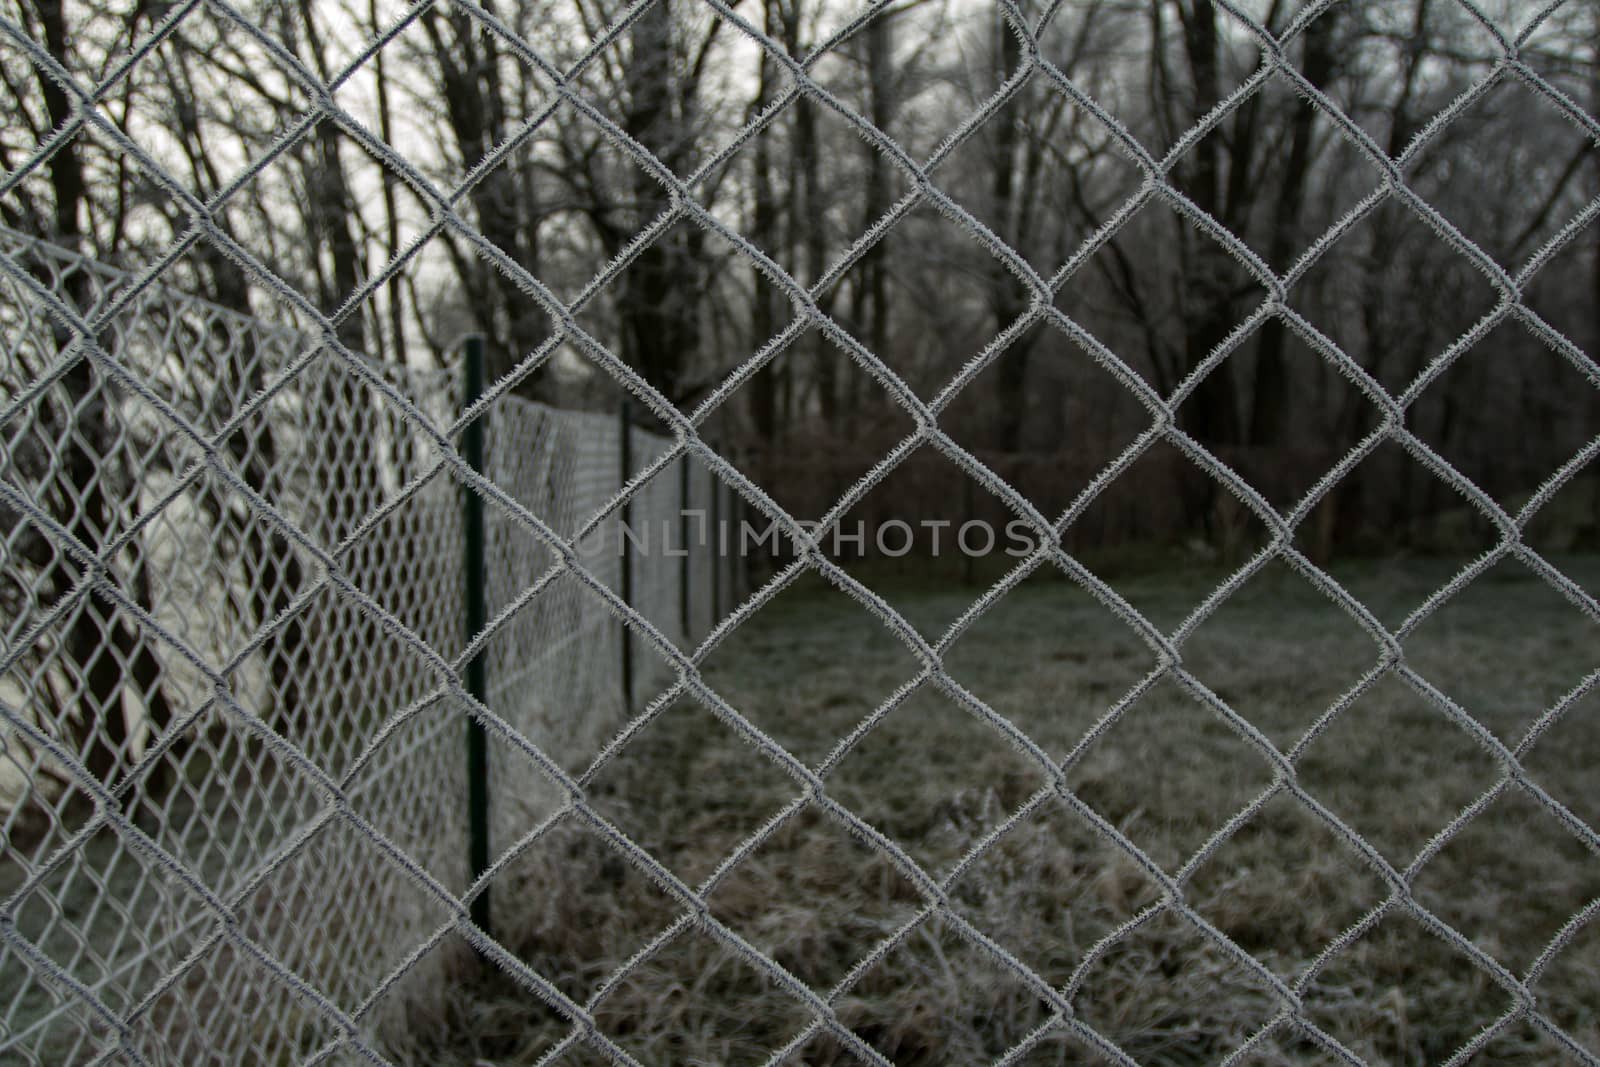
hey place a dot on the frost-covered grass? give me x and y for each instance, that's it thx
(1167, 773)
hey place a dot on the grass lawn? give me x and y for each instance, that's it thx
(1167, 772)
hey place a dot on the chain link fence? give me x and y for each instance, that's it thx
(233, 678)
(130, 754)
(170, 749)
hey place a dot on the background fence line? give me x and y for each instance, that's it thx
(322, 675)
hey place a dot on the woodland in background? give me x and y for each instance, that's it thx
(560, 201)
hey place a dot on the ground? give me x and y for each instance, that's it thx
(1166, 773)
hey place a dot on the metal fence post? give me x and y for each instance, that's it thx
(685, 609)
(716, 554)
(477, 616)
(625, 465)
(738, 563)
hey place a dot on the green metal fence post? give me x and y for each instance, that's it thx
(477, 616)
(716, 552)
(625, 465)
(685, 609)
(737, 579)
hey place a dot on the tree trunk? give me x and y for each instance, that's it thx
(1269, 418)
(869, 310)
(1004, 295)
(1210, 414)
(474, 108)
(764, 315)
(105, 650)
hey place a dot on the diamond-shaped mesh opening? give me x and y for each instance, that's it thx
(1479, 149)
(807, 465)
(1069, 670)
(1032, 124)
(1172, 813)
(1400, 992)
(1473, 414)
(1475, 883)
(1233, 58)
(1576, 963)
(1156, 989)
(177, 71)
(1390, 495)
(1239, 888)
(1504, 648)
(1565, 525)
(936, 992)
(1253, 650)
(1142, 327)
(814, 467)
(1167, 529)
(1395, 768)
(337, 54)
(860, 71)
(697, 989)
(855, 664)
(1407, 44)
(1050, 441)
(815, 898)
(599, 910)
(928, 514)
(1301, 415)
(606, 167)
(660, 311)
(687, 791)
(980, 776)
(303, 180)
(953, 312)
(1400, 260)
(1051, 889)
(1560, 756)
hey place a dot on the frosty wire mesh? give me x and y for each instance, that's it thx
(333, 1006)
(196, 644)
